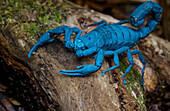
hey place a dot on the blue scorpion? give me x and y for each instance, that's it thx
(106, 39)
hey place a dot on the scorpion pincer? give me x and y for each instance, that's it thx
(106, 39)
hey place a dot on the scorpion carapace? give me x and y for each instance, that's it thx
(106, 39)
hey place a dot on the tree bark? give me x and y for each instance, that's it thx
(90, 92)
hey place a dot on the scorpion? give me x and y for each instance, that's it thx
(106, 39)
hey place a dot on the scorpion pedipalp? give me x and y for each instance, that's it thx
(45, 38)
(84, 69)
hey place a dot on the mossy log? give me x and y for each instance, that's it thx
(91, 92)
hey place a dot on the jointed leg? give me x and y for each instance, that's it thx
(142, 60)
(116, 58)
(116, 61)
(130, 59)
(121, 22)
(101, 23)
(68, 31)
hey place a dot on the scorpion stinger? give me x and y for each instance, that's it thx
(137, 18)
(110, 39)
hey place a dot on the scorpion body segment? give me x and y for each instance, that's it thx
(116, 36)
(106, 39)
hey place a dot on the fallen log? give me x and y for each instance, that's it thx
(91, 92)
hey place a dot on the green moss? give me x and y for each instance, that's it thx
(31, 29)
(1, 19)
(133, 83)
(48, 16)
(163, 86)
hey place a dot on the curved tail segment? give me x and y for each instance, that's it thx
(137, 18)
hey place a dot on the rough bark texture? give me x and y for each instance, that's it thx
(91, 92)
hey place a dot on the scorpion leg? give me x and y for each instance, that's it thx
(130, 59)
(129, 54)
(68, 31)
(116, 61)
(142, 60)
(101, 23)
(121, 22)
(86, 69)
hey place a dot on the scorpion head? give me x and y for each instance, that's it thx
(79, 45)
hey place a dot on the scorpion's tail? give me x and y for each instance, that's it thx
(137, 18)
